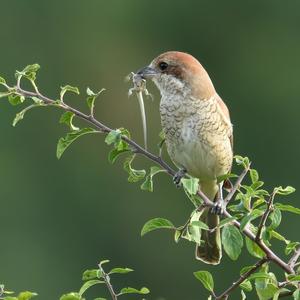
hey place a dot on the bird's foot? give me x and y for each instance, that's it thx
(178, 176)
(219, 207)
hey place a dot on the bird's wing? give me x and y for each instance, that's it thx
(225, 113)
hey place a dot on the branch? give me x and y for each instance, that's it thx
(242, 278)
(264, 218)
(270, 255)
(106, 279)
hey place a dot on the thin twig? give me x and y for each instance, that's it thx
(264, 217)
(237, 184)
(293, 260)
(106, 279)
(242, 278)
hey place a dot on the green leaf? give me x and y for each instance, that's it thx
(89, 284)
(68, 88)
(102, 262)
(253, 249)
(100, 299)
(293, 277)
(70, 296)
(15, 99)
(91, 274)
(130, 290)
(156, 223)
(225, 177)
(243, 295)
(254, 175)
(206, 279)
(191, 185)
(284, 191)
(260, 275)
(148, 183)
(120, 271)
(29, 72)
(92, 97)
(20, 115)
(26, 295)
(250, 217)
(177, 235)
(290, 247)
(134, 175)
(244, 161)
(232, 241)
(67, 118)
(10, 298)
(275, 218)
(114, 154)
(267, 291)
(226, 221)
(113, 137)
(2, 80)
(200, 225)
(246, 285)
(296, 295)
(289, 208)
(65, 142)
(278, 236)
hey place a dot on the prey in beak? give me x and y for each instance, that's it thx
(139, 86)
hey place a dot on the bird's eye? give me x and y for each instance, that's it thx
(163, 65)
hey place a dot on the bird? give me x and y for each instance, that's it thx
(198, 134)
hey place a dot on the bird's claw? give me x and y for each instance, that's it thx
(178, 176)
(219, 207)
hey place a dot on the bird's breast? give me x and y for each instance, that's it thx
(196, 137)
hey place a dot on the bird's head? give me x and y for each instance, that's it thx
(176, 72)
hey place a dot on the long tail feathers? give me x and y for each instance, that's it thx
(210, 249)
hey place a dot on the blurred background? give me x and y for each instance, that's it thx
(58, 218)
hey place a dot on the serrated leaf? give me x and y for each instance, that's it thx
(68, 88)
(254, 175)
(130, 290)
(67, 118)
(70, 296)
(134, 175)
(191, 185)
(120, 271)
(232, 241)
(15, 99)
(91, 274)
(115, 137)
(64, 143)
(26, 295)
(206, 279)
(253, 249)
(148, 183)
(284, 191)
(89, 284)
(289, 208)
(156, 223)
(92, 97)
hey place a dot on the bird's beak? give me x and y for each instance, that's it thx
(147, 72)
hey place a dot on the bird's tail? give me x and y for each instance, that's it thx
(210, 249)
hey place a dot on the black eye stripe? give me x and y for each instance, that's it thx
(163, 65)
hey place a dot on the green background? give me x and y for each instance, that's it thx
(58, 218)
